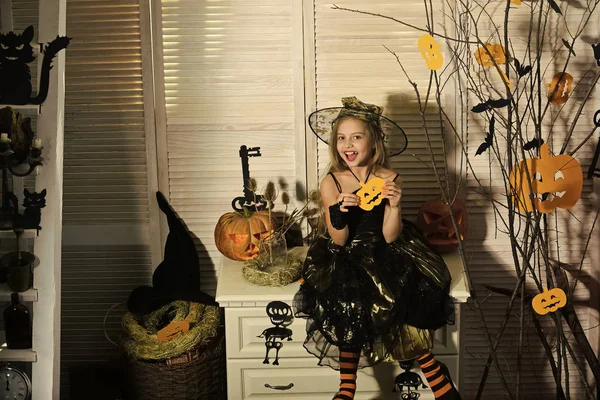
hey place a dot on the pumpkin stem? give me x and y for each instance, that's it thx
(247, 212)
(544, 152)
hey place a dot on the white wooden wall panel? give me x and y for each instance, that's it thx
(229, 80)
(489, 252)
(107, 215)
(350, 60)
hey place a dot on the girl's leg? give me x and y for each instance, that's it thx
(348, 367)
(438, 377)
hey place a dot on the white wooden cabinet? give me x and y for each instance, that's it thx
(298, 376)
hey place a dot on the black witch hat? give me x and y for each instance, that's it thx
(177, 277)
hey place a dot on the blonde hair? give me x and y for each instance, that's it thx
(378, 158)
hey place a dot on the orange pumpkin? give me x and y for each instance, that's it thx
(370, 193)
(556, 182)
(237, 235)
(497, 55)
(549, 301)
(565, 87)
(435, 222)
(430, 51)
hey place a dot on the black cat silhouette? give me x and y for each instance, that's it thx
(32, 216)
(177, 277)
(15, 76)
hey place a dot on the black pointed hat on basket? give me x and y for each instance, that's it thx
(321, 123)
(177, 277)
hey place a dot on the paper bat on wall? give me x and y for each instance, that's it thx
(490, 104)
(489, 138)
(533, 143)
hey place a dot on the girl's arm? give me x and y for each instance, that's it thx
(392, 217)
(330, 196)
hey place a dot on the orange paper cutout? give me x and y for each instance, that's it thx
(549, 301)
(371, 193)
(430, 51)
(556, 182)
(515, 2)
(173, 329)
(565, 87)
(497, 54)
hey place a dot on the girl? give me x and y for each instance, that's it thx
(373, 290)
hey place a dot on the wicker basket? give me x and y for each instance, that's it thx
(196, 375)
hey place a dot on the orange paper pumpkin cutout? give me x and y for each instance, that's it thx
(549, 301)
(237, 235)
(556, 182)
(515, 2)
(173, 329)
(496, 50)
(371, 193)
(430, 51)
(565, 87)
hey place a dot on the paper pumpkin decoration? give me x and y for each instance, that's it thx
(430, 51)
(549, 301)
(497, 55)
(556, 182)
(371, 193)
(515, 2)
(173, 329)
(436, 224)
(237, 235)
(565, 87)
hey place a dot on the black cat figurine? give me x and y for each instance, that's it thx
(15, 76)
(33, 203)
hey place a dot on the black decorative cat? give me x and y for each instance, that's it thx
(33, 203)
(15, 76)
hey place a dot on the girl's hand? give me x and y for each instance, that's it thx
(346, 200)
(393, 192)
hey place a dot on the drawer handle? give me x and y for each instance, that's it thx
(288, 387)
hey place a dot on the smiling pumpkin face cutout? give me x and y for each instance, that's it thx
(556, 182)
(371, 193)
(430, 51)
(549, 301)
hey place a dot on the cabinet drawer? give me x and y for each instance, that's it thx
(244, 325)
(302, 379)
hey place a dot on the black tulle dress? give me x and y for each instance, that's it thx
(383, 298)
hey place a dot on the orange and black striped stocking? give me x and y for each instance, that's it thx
(348, 367)
(438, 378)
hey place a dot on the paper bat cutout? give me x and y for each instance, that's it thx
(522, 70)
(568, 46)
(596, 48)
(490, 104)
(533, 143)
(555, 6)
(489, 138)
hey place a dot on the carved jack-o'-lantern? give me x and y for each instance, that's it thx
(370, 193)
(497, 55)
(565, 87)
(173, 329)
(430, 51)
(436, 224)
(556, 182)
(549, 301)
(237, 235)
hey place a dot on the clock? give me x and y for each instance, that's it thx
(14, 384)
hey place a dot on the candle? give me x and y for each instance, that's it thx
(4, 138)
(37, 143)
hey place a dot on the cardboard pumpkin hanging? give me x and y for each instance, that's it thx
(435, 222)
(556, 182)
(560, 88)
(549, 301)
(490, 55)
(430, 51)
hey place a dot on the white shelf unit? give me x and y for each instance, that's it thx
(45, 296)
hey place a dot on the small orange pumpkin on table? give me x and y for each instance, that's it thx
(237, 234)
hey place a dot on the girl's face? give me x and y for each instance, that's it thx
(353, 144)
